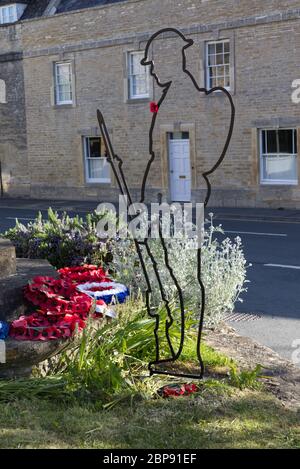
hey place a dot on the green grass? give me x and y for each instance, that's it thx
(214, 419)
(220, 416)
(99, 396)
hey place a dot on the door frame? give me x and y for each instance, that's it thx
(165, 162)
(172, 181)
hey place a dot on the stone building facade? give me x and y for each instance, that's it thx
(62, 60)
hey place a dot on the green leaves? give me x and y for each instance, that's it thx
(46, 388)
(249, 379)
(106, 361)
(223, 271)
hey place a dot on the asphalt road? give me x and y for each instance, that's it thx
(271, 241)
(273, 249)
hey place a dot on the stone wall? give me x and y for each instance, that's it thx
(265, 39)
(13, 144)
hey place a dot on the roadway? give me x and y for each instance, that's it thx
(271, 242)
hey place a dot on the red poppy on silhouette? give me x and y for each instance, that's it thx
(154, 107)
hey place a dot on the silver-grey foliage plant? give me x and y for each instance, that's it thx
(223, 271)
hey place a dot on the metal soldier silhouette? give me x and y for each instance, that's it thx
(158, 366)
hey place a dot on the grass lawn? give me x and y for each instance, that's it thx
(231, 410)
(241, 420)
(219, 417)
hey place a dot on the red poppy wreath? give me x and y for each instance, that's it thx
(59, 309)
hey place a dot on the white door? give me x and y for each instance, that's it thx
(180, 170)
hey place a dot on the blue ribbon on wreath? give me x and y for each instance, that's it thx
(4, 330)
(109, 292)
(117, 297)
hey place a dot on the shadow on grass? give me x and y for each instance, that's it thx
(211, 420)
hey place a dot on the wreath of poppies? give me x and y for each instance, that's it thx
(109, 292)
(83, 274)
(59, 309)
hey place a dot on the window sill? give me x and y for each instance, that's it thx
(219, 92)
(97, 181)
(137, 100)
(63, 106)
(279, 183)
(8, 23)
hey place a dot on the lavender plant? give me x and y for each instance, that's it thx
(62, 240)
